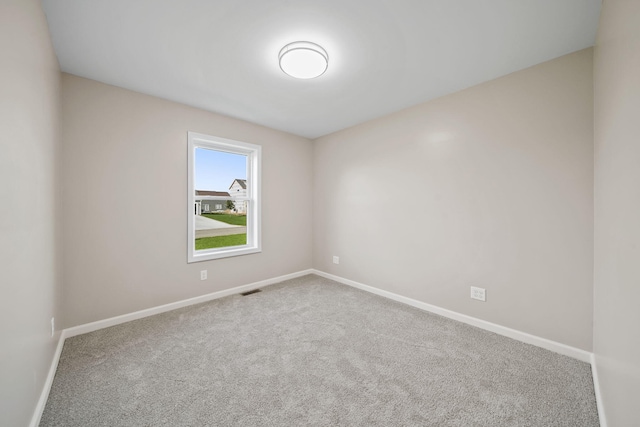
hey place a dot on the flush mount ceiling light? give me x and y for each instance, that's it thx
(303, 60)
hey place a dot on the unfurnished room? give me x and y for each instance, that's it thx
(320, 213)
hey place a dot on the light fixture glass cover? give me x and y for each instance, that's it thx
(303, 60)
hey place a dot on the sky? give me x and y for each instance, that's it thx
(216, 170)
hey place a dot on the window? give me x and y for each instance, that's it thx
(223, 198)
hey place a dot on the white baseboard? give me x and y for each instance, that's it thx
(547, 344)
(502, 330)
(596, 387)
(44, 395)
(101, 324)
(554, 346)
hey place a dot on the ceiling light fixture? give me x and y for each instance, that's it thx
(303, 60)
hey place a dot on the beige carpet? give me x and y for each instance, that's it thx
(312, 352)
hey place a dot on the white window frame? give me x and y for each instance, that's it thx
(254, 163)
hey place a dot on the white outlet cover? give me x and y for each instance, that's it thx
(478, 293)
(336, 260)
(203, 275)
(53, 326)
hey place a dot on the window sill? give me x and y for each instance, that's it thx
(207, 255)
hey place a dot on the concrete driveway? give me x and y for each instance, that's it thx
(207, 227)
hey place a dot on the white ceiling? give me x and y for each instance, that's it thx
(384, 55)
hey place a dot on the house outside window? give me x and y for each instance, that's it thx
(239, 190)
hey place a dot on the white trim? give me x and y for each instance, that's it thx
(101, 324)
(253, 197)
(596, 388)
(511, 333)
(554, 346)
(44, 395)
(105, 323)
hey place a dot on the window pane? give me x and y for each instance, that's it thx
(220, 171)
(220, 218)
(224, 198)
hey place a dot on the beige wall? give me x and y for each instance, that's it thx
(490, 187)
(29, 267)
(125, 193)
(617, 210)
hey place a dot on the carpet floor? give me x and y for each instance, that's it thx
(312, 352)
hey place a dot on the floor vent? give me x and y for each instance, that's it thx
(255, 291)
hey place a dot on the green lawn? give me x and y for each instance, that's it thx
(221, 241)
(228, 218)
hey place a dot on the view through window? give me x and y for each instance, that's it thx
(220, 199)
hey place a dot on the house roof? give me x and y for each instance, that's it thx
(242, 182)
(212, 193)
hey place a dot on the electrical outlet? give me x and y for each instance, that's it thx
(478, 293)
(53, 325)
(336, 259)
(203, 275)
